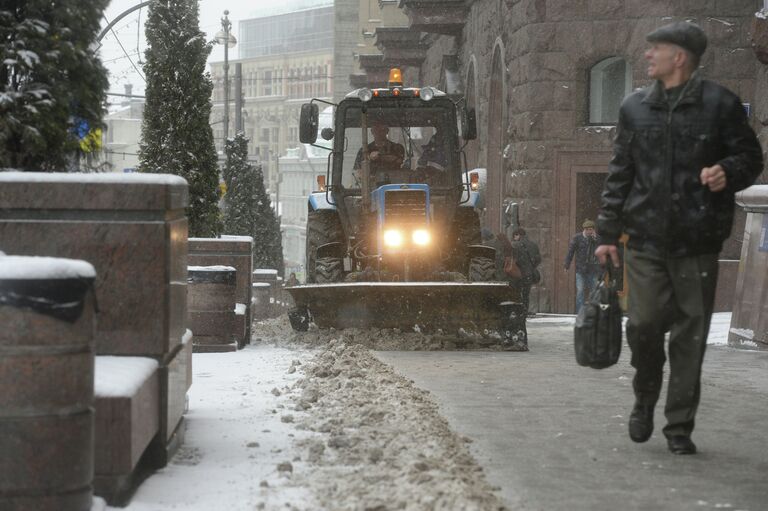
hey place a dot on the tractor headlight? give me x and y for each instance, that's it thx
(393, 238)
(420, 237)
(427, 93)
(365, 95)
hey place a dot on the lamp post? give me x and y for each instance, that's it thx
(225, 37)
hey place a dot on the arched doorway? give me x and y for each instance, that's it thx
(495, 164)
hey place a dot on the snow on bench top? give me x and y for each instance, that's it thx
(263, 271)
(230, 237)
(121, 376)
(210, 268)
(261, 284)
(225, 237)
(77, 177)
(240, 309)
(32, 267)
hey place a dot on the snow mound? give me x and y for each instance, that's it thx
(375, 431)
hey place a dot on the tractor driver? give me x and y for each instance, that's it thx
(433, 158)
(382, 152)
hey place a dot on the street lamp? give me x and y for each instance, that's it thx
(225, 37)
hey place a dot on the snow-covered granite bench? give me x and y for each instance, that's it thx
(127, 403)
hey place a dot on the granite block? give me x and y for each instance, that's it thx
(210, 297)
(47, 454)
(109, 192)
(133, 232)
(46, 419)
(125, 425)
(176, 378)
(234, 251)
(212, 324)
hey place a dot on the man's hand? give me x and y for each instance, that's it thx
(714, 177)
(603, 251)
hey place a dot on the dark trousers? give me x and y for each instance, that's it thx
(675, 295)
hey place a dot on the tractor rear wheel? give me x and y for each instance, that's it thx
(328, 269)
(323, 226)
(482, 269)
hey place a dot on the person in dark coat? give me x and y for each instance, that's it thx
(582, 247)
(683, 148)
(504, 249)
(528, 258)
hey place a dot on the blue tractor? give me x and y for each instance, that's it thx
(393, 236)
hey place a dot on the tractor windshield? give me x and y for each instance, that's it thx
(405, 145)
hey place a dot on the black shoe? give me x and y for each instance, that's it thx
(641, 423)
(681, 444)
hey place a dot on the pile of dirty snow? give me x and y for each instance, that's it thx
(379, 442)
(278, 331)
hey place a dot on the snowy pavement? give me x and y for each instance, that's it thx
(235, 438)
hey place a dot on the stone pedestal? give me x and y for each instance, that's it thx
(211, 308)
(131, 227)
(234, 251)
(262, 294)
(46, 377)
(749, 323)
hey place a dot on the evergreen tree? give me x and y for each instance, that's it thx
(248, 210)
(52, 85)
(176, 136)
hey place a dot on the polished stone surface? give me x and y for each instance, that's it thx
(46, 419)
(125, 426)
(134, 234)
(234, 251)
(176, 380)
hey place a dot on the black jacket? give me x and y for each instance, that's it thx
(527, 255)
(653, 191)
(583, 249)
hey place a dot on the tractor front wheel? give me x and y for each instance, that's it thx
(482, 269)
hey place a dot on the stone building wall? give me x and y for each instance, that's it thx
(548, 149)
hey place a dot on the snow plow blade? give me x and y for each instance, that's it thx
(444, 305)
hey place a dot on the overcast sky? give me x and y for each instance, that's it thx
(130, 33)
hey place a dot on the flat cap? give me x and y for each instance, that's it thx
(682, 33)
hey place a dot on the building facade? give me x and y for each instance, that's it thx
(122, 135)
(286, 60)
(546, 78)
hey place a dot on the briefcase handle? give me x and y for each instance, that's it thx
(611, 272)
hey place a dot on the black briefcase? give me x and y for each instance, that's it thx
(597, 334)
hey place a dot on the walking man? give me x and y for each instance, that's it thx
(583, 246)
(683, 148)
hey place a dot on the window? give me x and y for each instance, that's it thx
(267, 83)
(610, 80)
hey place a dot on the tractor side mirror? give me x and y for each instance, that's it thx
(469, 124)
(308, 123)
(327, 133)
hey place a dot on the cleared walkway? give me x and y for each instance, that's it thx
(553, 435)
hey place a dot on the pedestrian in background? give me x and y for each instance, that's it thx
(582, 247)
(505, 249)
(683, 148)
(292, 280)
(528, 258)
